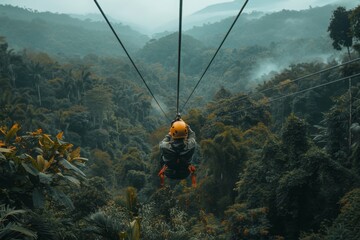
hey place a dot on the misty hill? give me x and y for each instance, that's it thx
(220, 11)
(165, 52)
(292, 36)
(62, 34)
(281, 26)
(263, 44)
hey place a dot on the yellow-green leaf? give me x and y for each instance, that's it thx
(46, 142)
(6, 150)
(40, 163)
(135, 229)
(60, 135)
(75, 154)
(37, 132)
(12, 132)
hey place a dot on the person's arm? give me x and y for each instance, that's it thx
(191, 141)
(167, 138)
(164, 142)
(191, 134)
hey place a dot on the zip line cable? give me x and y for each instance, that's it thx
(232, 25)
(301, 91)
(128, 55)
(179, 58)
(297, 79)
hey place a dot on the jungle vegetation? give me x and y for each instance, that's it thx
(277, 159)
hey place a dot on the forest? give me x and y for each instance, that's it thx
(278, 154)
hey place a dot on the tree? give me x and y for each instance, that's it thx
(222, 93)
(339, 28)
(294, 138)
(225, 154)
(98, 101)
(346, 225)
(12, 227)
(355, 26)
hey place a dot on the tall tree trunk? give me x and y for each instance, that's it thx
(78, 96)
(350, 113)
(12, 74)
(348, 49)
(39, 94)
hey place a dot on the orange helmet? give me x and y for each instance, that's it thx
(179, 130)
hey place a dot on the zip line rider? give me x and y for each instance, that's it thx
(176, 152)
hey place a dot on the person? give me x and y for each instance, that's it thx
(176, 153)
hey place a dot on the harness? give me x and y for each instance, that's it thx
(191, 169)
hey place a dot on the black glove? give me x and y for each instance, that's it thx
(177, 118)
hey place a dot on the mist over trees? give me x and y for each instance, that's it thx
(60, 34)
(278, 147)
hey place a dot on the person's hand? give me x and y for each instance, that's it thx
(177, 118)
(172, 122)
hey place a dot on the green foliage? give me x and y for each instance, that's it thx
(337, 125)
(355, 148)
(131, 200)
(131, 168)
(305, 24)
(292, 179)
(107, 227)
(98, 101)
(155, 226)
(244, 223)
(346, 225)
(355, 26)
(260, 177)
(222, 94)
(166, 54)
(116, 222)
(90, 197)
(294, 137)
(70, 36)
(11, 226)
(165, 218)
(339, 29)
(207, 227)
(224, 156)
(35, 166)
(101, 163)
(136, 178)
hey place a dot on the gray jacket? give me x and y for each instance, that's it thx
(177, 154)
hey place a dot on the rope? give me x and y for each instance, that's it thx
(128, 55)
(179, 58)
(228, 32)
(301, 91)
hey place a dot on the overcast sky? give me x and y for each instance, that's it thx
(155, 12)
(150, 10)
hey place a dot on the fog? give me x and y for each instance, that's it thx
(150, 16)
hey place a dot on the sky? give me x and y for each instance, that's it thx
(152, 12)
(146, 11)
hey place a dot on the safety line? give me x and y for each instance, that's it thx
(301, 91)
(128, 55)
(232, 25)
(179, 58)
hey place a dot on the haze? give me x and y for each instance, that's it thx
(152, 14)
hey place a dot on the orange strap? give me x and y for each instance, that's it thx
(161, 174)
(192, 170)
